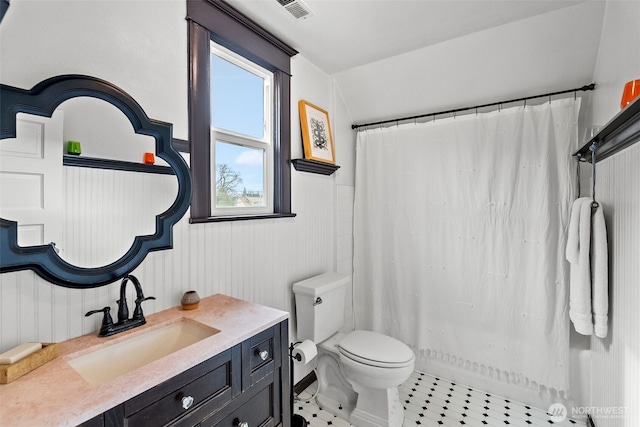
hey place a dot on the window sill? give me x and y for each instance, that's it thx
(239, 218)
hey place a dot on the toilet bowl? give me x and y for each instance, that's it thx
(358, 372)
(375, 360)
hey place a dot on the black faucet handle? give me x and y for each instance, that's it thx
(107, 322)
(105, 310)
(137, 312)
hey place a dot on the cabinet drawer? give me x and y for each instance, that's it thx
(210, 381)
(261, 351)
(261, 354)
(256, 412)
(256, 409)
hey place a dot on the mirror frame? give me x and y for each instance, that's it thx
(42, 100)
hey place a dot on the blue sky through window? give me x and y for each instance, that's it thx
(237, 104)
(237, 99)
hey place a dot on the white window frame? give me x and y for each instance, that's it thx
(265, 143)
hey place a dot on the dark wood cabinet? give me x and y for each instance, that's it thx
(248, 383)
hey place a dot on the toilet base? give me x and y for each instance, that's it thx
(335, 394)
(377, 408)
(339, 409)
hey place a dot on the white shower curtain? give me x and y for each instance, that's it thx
(460, 227)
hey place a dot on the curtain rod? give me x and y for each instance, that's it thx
(585, 88)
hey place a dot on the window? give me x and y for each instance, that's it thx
(239, 116)
(241, 135)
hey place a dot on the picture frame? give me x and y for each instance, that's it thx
(317, 137)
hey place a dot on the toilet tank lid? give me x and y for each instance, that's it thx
(321, 284)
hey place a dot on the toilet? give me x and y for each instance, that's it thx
(358, 372)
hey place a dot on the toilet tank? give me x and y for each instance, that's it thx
(320, 306)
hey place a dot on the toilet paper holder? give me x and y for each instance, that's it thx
(297, 420)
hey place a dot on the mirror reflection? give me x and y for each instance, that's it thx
(92, 214)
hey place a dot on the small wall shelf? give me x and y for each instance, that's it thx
(314, 166)
(98, 163)
(621, 132)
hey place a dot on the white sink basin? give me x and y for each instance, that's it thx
(110, 362)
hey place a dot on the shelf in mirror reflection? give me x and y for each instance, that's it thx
(98, 163)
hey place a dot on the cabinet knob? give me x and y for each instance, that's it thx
(238, 423)
(187, 401)
(264, 355)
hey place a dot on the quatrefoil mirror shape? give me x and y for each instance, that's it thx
(42, 100)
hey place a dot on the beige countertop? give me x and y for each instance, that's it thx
(56, 395)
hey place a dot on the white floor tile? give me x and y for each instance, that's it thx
(434, 402)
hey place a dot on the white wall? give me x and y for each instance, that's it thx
(548, 52)
(615, 361)
(142, 48)
(139, 46)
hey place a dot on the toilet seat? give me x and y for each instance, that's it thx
(373, 349)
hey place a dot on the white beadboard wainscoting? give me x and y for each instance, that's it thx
(345, 195)
(105, 209)
(615, 360)
(255, 260)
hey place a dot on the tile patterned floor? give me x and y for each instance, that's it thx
(434, 402)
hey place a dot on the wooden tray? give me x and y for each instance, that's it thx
(15, 370)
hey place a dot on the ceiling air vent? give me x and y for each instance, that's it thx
(297, 8)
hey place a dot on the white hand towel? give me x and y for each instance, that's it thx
(580, 281)
(573, 235)
(599, 274)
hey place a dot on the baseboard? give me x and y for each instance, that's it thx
(304, 383)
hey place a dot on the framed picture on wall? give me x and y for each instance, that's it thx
(316, 133)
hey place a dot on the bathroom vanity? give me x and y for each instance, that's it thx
(236, 373)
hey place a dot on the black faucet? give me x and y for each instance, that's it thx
(108, 328)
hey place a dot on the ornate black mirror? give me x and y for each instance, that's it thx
(43, 100)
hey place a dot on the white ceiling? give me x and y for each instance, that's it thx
(348, 33)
